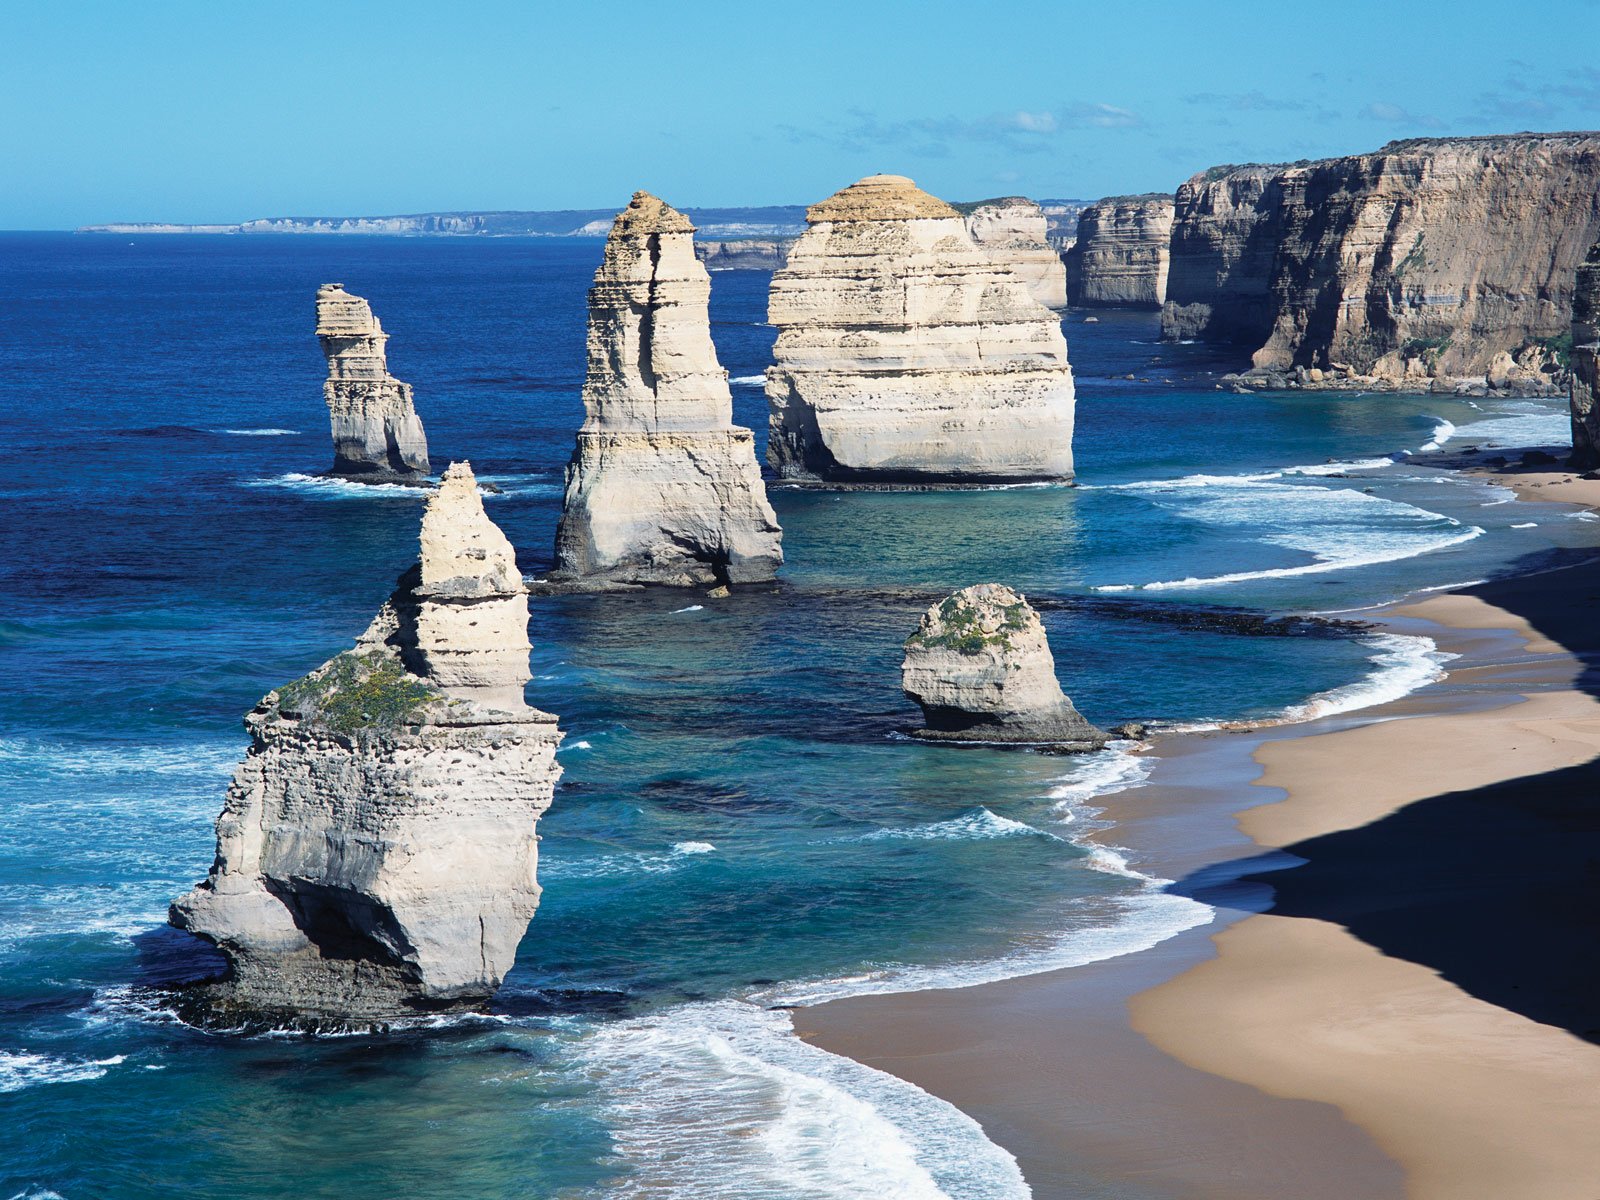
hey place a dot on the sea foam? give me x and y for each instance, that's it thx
(20, 1069)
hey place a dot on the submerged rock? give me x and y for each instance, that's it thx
(663, 488)
(1014, 232)
(907, 355)
(1585, 364)
(377, 435)
(980, 667)
(376, 855)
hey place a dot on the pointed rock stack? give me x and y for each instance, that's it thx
(1013, 231)
(980, 667)
(377, 435)
(376, 855)
(905, 354)
(663, 488)
(1585, 364)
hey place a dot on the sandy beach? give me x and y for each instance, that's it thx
(1411, 1011)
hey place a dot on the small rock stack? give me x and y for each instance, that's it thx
(377, 435)
(980, 667)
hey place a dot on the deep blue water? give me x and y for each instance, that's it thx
(739, 824)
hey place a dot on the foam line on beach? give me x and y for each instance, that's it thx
(721, 1101)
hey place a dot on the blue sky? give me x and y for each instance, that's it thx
(222, 111)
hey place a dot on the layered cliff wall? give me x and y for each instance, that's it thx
(1014, 232)
(1419, 265)
(1585, 384)
(1121, 254)
(744, 254)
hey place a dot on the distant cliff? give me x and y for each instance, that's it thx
(744, 254)
(1120, 255)
(773, 221)
(1415, 266)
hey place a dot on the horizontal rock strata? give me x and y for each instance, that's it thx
(980, 668)
(1418, 266)
(906, 355)
(1014, 231)
(377, 435)
(744, 254)
(376, 855)
(663, 488)
(1120, 256)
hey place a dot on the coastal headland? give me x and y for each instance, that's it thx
(1392, 1000)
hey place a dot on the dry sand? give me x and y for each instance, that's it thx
(1405, 1021)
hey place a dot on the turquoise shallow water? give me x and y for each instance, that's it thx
(741, 823)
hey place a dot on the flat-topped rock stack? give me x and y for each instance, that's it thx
(1120, 257)
(1585, 364)
(907, 355)
(376, 855)
(662, 488)
(1014, 232)
(377, 435)
(980, 667)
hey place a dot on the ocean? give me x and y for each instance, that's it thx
(742, 824)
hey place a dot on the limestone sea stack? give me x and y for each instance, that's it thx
(1431, 264)
(1585, 362)
(980, 667)
(377, 435)
(376, 855)
(1014, 231)
(907, 355)
(663, 487)
(1120, 257)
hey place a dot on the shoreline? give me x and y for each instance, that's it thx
(1278, 1053)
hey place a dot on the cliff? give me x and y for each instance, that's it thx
(377, 435)
(376, 855)
(767, 221)
(1423, 264)
(980, 667)
(744, 254)
(1120, 256)
(1585, 360)
(662, 488)
(906, 355)
(1013, 231)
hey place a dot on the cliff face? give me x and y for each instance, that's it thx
(1120, 257)
(744, 254)
(980, 668)
(663, 488)
(1585, 359)
(1426, 261)
(1014, 233)
(376, 854)
(377, 435)
(1225, 233)
(905, 354)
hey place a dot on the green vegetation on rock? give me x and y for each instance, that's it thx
(356, 692)
(963, 632)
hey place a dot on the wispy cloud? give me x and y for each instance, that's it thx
(1021, 131)
(1575, 94)
(1394, 114)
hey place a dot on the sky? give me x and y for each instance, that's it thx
(171, 110)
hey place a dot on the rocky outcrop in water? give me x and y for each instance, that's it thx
(1585, 362)
(1119, 259)
(1423, 265)
(663, 488)
(376, 854)
(377, 435)
(981, 670)
(1013, 231)
(906, 355)
(744, 254)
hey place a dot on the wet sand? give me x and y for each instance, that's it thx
(1411, 1018)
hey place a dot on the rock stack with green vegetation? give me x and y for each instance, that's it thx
(980, 667)
(376, 855)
